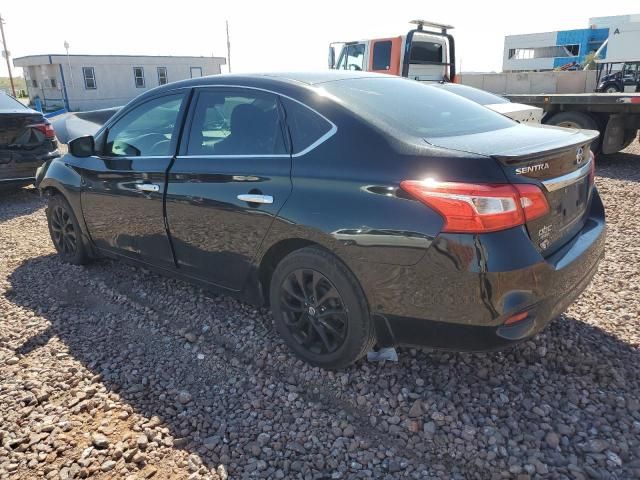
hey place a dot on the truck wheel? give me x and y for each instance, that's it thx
(629, 137)
(612, 89)
(577, 120)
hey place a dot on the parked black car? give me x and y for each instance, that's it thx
(27, 140)
(362, 208)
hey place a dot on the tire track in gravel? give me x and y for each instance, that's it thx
(249, 354)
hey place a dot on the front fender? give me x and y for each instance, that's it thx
(60, 177)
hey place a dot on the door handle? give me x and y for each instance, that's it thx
(147, 187)
(255, 198)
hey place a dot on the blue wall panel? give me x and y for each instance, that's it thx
(588, 39)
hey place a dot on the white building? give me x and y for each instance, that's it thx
(568, 49)
(91, 82)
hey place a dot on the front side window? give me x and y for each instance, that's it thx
(382, 55)
(352, 57)
(138, 76)
(147, 130)
(162, 75)
(89, 78)
(305, 125)
(236, 123)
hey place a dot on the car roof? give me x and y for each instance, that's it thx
(291, 78)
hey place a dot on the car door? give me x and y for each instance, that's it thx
(123, 185)
(228, 183)
(631, 77)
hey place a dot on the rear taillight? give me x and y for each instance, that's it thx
(45, 128)
(518, 317)
(479, 208)
(532, 200)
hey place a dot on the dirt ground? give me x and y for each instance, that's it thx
(110, 371)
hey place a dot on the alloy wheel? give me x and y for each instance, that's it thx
(313, 311)
(63, 231)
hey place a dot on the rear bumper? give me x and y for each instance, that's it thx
(16, 182)
(19, 168)
(465, 287)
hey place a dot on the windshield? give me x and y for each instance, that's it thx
(10, 103)
(418, 109)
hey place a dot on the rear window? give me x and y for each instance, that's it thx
(475, 94)
(10, 103)
(415, 108)
(425, 52)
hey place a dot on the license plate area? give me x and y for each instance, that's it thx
(567, 206)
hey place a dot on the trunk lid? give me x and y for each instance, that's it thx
(15, 131)
(555, 159)
(22, 147)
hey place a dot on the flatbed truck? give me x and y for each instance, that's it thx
(615, 115)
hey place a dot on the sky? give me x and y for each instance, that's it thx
(278, 35)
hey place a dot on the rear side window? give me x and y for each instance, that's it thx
(382, 55)
(305, 125)
(426, 52)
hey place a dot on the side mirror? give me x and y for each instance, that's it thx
(84, 146)
(332, 57)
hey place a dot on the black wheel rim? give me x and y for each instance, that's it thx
(313, 311)
(63, 231)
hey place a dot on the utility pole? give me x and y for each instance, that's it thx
(228, 48)
(5, 54)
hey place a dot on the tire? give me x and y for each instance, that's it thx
(577, 120)
(301, 311)
(65, 231)
(611, 89)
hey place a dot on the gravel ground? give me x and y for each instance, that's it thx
(110, 371)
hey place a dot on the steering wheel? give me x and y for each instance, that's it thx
(149, 142)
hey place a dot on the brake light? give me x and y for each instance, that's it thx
(45, 128)
(479, 208)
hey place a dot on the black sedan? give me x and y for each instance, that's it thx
(361, 208)
(27, 140)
